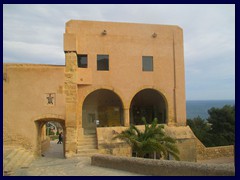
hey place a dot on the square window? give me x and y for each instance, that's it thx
(102, 62)
(147, 63)
(82, 60)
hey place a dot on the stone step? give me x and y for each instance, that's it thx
(27, 161)
(10, 156)
(86, 151)
(87, 138)
(18, 162)
(89, 146)
(87, 143)
(90, 131)
(7, 152)
(9, 166)
(85, 154)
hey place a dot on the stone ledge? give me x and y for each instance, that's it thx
(161, 167)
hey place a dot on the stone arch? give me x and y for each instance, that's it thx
(148, 102)
(48, 116)
(115, 90)
(103, 108)
(40, 121)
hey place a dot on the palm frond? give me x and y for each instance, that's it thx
(152, 139)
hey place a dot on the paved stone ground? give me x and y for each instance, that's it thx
(54, 164)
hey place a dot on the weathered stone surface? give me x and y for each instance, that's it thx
(161, 167)
(205, 153)
(186, 141)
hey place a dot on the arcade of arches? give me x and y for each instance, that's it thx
(104, 108)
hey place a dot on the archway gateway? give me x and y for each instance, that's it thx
(148, 104)
(101, 108)
(42, 132)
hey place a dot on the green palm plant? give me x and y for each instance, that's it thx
(152, 139)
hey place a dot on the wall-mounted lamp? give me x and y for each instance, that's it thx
(104, 32)
(154, 35)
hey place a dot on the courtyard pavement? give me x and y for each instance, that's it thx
(54, 164)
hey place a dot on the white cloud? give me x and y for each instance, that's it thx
(34, 33)
(22, 52)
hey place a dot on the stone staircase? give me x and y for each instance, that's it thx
(14, 158)
(87, 145)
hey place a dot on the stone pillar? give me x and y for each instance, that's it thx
(70, 89)
(126, 117)
(171, 112)
(79, 120)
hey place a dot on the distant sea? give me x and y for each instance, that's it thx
(200, 107)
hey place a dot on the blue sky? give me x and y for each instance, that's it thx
(34, 34)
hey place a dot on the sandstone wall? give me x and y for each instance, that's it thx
(25, 91)
(45, 144)
(185, 141)
(114, 147)
(206, 153)
(126, 43)
(161, 167)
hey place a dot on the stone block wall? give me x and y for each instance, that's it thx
(186, 141)
(106, 145)
(187, 148)
(206, 153)
(70, 89)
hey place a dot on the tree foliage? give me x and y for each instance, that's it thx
(218, 129)
(223, 125)
(200, 128)
(152, 139)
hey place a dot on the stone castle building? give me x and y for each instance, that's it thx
(115, 74)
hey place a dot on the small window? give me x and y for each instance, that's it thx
(102, 62)
(147, 63)
(82, 61)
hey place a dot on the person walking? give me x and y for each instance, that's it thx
(59, 138)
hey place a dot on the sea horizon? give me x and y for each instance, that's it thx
(200, 108)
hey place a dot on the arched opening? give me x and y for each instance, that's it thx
(148, 104)
(48, 131)
(102, 108)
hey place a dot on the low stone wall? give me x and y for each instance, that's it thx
(207, 153)
(106, 145)
(185, 141)
(161, 167)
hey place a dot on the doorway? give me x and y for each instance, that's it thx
(48, 131)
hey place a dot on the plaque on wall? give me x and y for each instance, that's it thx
(50, 99)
